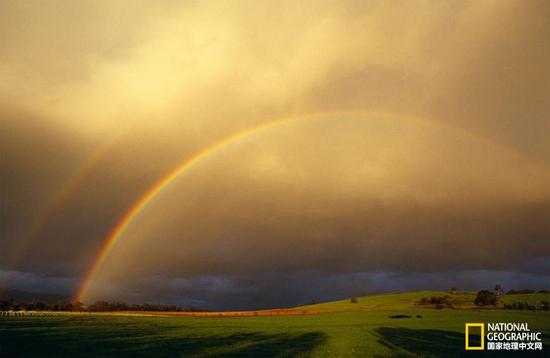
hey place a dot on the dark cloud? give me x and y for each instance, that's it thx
(284, 289)
(328, 201)
(35, 156)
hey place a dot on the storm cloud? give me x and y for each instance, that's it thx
(99, 101)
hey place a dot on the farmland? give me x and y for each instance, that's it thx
(338, 328)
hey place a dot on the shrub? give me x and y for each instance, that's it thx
(435, 300)
(6, 305)
(438, 301)
(485, 298)
(520, 292)
(544, 305)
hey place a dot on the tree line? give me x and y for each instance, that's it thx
(487, 298)
(98, 306)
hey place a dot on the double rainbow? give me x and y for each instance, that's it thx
(58, 201)
(134, 211)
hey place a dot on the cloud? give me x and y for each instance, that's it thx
(284, 289)
(355, 195)
(338, 195)
(33, 282)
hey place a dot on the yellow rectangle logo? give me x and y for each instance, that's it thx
(467, 334)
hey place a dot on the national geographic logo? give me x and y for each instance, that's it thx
(467, 336)
(501, 336)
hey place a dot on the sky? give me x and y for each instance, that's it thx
(384, 146)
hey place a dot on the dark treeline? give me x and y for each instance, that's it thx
(525, 291)
(98, 306)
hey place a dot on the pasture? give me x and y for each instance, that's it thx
(334, 329)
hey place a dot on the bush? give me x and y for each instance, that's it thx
(544, 305)
(514, 306)
(441, 300)
(438, 301)
(485, 298)
(520, 292)
(353, 299)
(6, 305)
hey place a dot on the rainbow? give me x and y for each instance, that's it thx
(134, 211)
(58, 200)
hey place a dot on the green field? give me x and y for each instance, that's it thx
(357, 329)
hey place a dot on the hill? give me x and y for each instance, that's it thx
(379, 325)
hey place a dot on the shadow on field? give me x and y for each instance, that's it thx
(262, 345)
(246, 344)
(431, 342)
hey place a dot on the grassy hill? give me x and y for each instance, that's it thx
(362, 329)
(460, 300)
(393, 300)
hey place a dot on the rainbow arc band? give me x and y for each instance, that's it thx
(133, 212)
(58, 201)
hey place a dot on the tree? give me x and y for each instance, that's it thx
(100, 306)
(353, 299)
(78, 306)
(6, 305)
(498, 289)
(40, 306)
(486, 298)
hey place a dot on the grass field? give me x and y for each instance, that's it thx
(353, 329)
